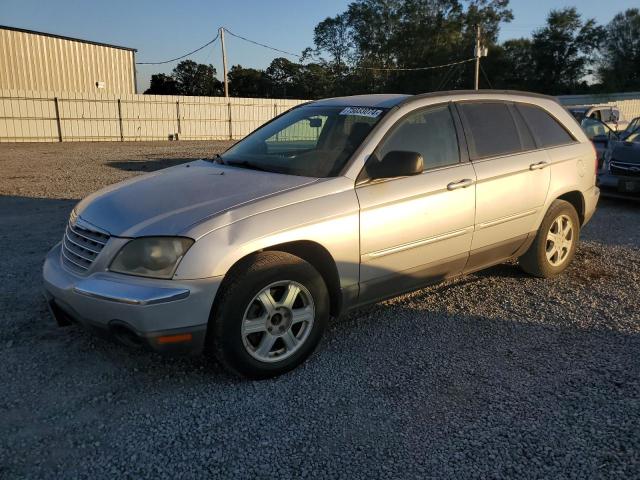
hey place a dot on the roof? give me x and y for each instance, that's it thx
(392, 100)
(62, 37)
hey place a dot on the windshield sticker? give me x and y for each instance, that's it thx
(362, 112)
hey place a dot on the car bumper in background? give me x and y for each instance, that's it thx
(619, 185)
(163, 315)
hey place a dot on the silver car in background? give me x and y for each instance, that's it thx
(332, 205)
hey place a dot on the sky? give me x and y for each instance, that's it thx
(162, 30)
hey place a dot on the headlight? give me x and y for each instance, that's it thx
(156, 257)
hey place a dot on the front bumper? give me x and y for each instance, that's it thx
(164, 315)
(619, 185)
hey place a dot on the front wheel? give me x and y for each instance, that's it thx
(272, 311)
(555, 244)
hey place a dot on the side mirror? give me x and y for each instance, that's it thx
(395, 164)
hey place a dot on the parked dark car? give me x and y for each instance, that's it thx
(620, 171)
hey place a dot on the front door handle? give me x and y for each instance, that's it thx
(538, 166)
(467, 182)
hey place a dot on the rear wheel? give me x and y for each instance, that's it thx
(555, 244)
(270, 316)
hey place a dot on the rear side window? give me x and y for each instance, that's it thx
(547, 131)
(430, 132)
(491, 129)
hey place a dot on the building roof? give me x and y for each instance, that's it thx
(53, 35)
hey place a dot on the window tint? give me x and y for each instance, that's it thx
(491, 130)
(430, 132)
(546, 129)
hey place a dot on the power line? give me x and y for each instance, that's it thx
(260, 44)
(415, 69)
(181, 57)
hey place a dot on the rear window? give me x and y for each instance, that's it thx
(491, 129)
(547, 131)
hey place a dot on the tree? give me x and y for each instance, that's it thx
(248, 82)
(563, 51)
(619, 66)
(283, 75)
(332, 36)
(376, 34)
(162, 84)
(187, 78)
(197, 79)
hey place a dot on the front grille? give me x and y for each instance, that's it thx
(625, 169)
(81, 246)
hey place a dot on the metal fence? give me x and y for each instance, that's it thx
(77, 117)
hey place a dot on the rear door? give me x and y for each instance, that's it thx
(512, 179)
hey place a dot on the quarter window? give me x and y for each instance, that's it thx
(430, 132)
(546, 129)
(491, 129)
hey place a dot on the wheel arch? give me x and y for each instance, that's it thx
(575, 198)
(313, 253)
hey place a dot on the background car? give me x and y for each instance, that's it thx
(620, 171)
(607, 114)
(600, 135)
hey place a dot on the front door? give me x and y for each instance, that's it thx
(417, 229)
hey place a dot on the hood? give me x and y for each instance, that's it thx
(626, 152)
(169, 201)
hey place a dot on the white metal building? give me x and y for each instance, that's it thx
(37, 61)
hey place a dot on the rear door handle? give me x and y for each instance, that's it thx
(538, 166)
(467, 182)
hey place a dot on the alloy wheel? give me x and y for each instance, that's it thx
(278, 321)
(559, 240)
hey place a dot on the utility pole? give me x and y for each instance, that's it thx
(224, 63)
(477, 55)
(479, 52)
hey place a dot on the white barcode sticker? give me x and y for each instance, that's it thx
(361, 112)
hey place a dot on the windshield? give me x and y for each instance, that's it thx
(578, 113)
(307, 141)
(595, 128)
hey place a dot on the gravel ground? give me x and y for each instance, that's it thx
(495, 375)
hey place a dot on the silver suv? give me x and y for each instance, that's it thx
(330, 206)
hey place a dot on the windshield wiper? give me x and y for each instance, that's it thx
(246, 164)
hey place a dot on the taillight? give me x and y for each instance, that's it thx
(595, 156)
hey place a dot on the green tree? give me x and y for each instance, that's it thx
(563, 52)
(332, 35)
(248, 82)
(187, 78)
(197, 79)
(619, 66)
(162, 84)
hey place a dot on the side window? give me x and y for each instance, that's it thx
(547, 131)
(491, 129)
(430, 132)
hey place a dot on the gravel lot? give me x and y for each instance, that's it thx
(493, 375)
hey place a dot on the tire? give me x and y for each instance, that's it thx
(547, 257)
(269, 297)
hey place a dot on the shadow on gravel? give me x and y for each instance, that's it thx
(148, 165)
